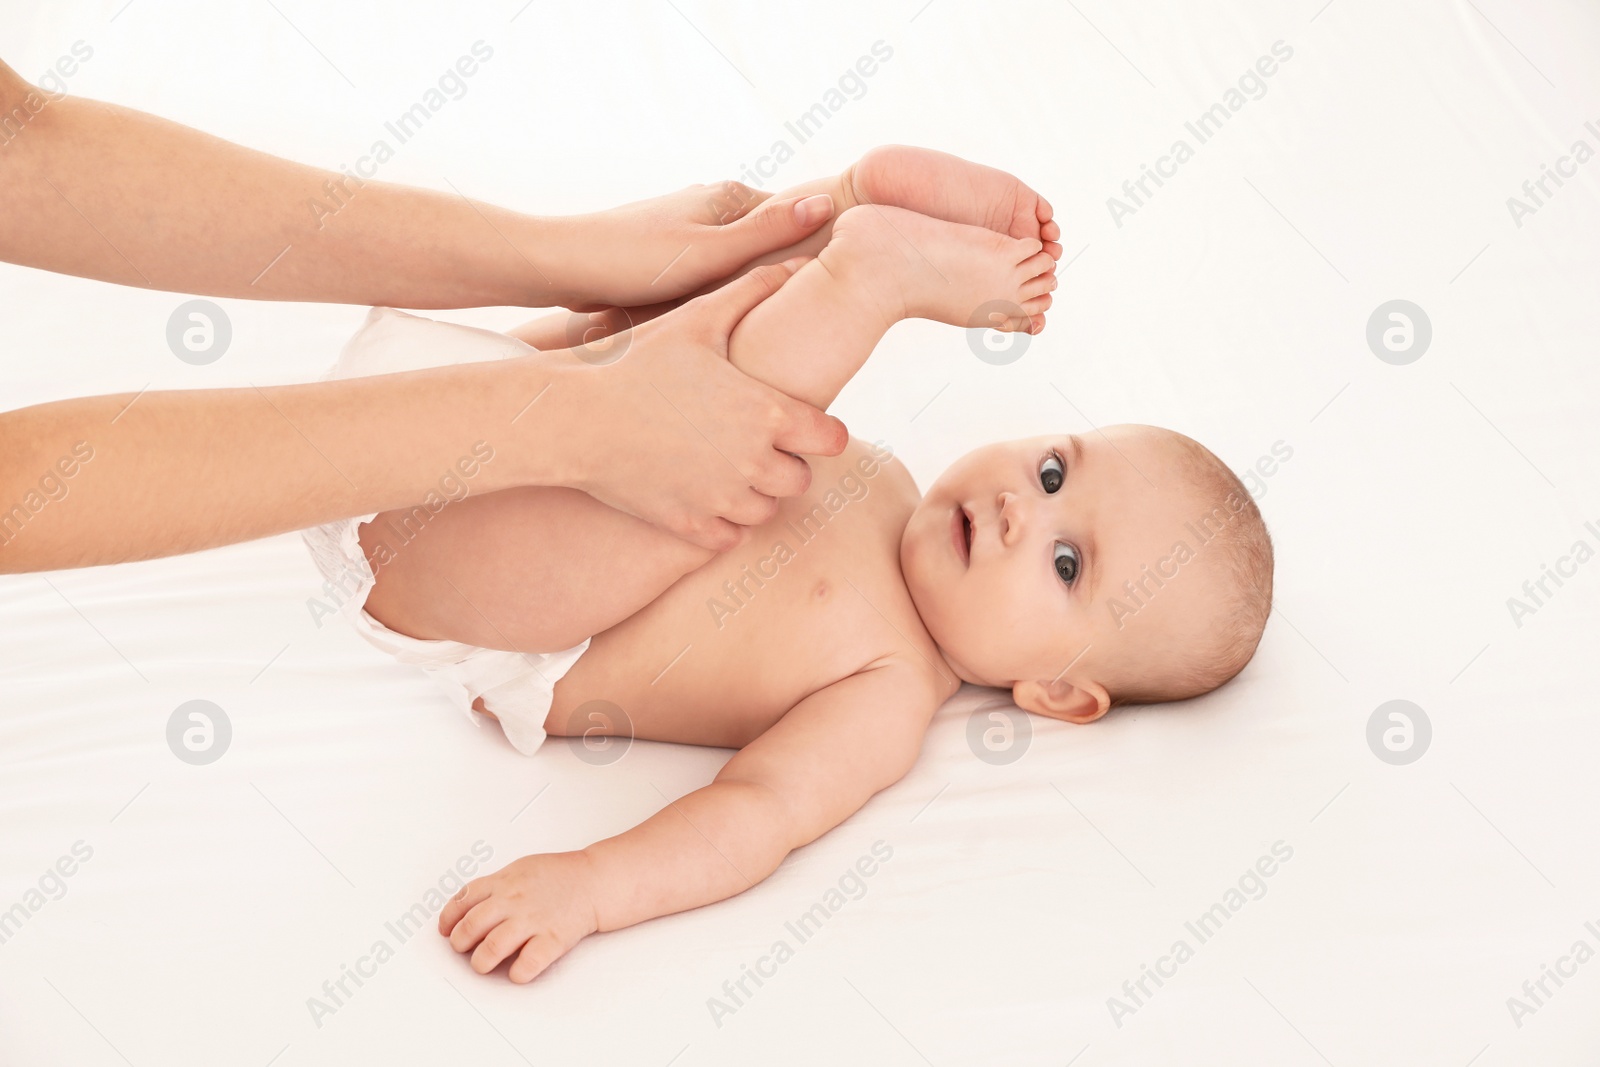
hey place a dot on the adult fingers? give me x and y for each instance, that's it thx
(723, 309)
(775, 224)
(783, 475)
(806, 431)
(713, 532)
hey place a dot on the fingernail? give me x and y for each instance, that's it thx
(813, 209)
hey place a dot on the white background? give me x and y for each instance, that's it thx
(1233, 307)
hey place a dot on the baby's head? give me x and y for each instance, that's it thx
(1128, 565)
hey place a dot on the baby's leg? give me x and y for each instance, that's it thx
(884, 264)
(569, 329)
(540, 569)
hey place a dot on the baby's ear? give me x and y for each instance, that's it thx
(1080, 702)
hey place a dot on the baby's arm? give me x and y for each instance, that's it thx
(804, 776)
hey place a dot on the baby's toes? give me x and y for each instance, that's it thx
(1034, 218)
(1037, 287)
(1040, 263)
(1007, 323)
(1036, 306)
(1023, 249)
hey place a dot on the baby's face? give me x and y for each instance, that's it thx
(1015, 555)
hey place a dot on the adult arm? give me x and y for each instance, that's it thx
(107, 192)
(673, 433)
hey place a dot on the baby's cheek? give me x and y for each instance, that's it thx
(987, 623)
(1043, 621)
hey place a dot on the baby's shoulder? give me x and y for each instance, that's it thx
(865, 469)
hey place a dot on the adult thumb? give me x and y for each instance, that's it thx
(727, 306)
(774, 224)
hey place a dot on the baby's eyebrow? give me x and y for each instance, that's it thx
(1089, 549)
(1094, 566)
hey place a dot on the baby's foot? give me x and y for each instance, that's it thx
(950, 188)
(914, 266)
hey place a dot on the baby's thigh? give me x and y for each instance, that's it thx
(530, 570)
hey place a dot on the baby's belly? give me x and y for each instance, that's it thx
(730, 648)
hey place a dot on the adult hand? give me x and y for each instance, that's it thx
(675, 434)
(659, 249)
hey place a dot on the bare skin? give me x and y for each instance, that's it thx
(107, 192)
(918, 179)
(552, 599)
(846, 573)
(838, 595)
(110, 193)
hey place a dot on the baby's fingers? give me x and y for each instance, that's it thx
(502, 941)
(461, 903)
(484, 917)
(540, 952)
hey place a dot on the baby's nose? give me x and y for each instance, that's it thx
(1012, 520)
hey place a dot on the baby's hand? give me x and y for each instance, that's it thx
(539, 904)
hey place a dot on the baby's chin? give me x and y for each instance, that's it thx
(933, 610)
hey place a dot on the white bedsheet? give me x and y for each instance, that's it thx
(1231, 304)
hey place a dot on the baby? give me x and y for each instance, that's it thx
(1077, 571)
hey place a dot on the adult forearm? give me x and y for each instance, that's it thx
(106, 192)
(112, 478)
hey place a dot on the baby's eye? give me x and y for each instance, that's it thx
(1051, 472)
(1066, 561)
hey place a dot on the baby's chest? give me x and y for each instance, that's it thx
(730, 648)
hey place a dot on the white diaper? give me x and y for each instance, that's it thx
(517, 687)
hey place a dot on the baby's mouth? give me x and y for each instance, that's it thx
(961, 534)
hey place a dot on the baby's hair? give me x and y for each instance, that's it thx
(1240, 552)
